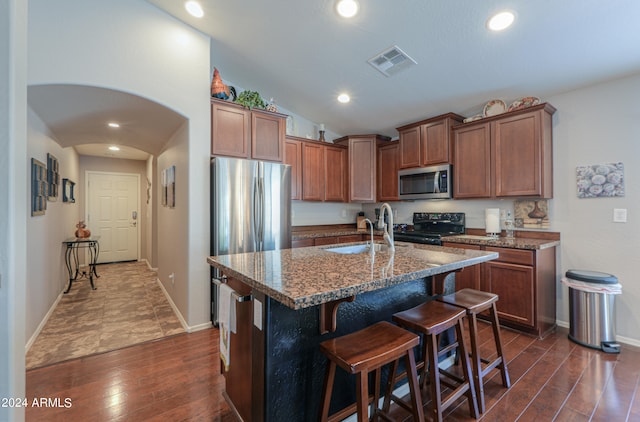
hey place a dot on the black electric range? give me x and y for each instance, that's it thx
(430, 227)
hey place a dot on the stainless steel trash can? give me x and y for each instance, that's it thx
(592, 309)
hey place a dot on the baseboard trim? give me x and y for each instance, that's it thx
(149, 265)
(173, 306)
(44, 321)
(187, 328)
(619, 339)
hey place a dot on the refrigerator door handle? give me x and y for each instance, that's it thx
(261, 216)
(256, 213)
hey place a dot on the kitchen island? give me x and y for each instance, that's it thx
(304, 296)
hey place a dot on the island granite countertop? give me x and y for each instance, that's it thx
(305, 277)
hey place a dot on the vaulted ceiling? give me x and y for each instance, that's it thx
(303, 54)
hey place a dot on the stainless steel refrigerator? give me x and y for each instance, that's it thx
(250, 210)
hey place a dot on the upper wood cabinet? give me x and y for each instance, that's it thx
(508, 155)
(313, 171)
(387, 171)
(427, 142)
(293, 157)
(323, 170)
(336, 173)
(239, 132)
(362, 165)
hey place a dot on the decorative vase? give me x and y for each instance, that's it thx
(536, 212)
(82, 232)
(221, 90)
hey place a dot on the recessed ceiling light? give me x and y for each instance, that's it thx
(344, 98)
(113, 124)
(347, 8)
(501, 21)
(194, 9)
(114, 148)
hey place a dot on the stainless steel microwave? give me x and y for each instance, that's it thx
(425, 182)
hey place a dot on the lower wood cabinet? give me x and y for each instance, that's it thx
(525, 281)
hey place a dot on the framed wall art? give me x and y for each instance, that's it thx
(53, 177)
(600, 180)
(68, 194)
(169, 187)
(39, 185)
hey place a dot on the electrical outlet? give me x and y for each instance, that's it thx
(172, 277)
(344, 213)
(619, 215)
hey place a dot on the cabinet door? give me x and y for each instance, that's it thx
(410, 147)
(435, 143)
(362, 169)
(514, 284)
(472, 162)
(469, 277)
(267, 136)
(293, 157)
(313, 173)
(387, 172)
(336, 174)
(518, 156)
(230, 130)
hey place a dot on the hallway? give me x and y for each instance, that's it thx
(128, 307)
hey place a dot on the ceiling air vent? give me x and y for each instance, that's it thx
(391, 61)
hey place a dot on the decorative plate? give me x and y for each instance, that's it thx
(524, 103)
(494, 107)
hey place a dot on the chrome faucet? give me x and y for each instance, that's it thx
(388, 228)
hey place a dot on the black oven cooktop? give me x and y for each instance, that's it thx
(430, 227)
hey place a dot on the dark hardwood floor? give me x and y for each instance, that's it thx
(178, 379)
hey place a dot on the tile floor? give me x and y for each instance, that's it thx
(127, 308)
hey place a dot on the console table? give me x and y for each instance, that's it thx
(73, 244)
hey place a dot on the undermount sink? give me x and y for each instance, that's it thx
(355, 249)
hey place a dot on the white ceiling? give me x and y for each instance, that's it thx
(302, 54)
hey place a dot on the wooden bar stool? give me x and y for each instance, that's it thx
(474, 302)
(431, 319)
(365, 351)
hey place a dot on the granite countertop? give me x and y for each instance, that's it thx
(305, 277)
(503, 242)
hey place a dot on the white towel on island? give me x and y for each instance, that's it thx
(226, 316)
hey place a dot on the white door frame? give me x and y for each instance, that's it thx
(86, 200)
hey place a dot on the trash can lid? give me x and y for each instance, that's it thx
(591, 276)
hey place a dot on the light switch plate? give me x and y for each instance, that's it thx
(619, 215)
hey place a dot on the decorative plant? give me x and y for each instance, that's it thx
(250, 99)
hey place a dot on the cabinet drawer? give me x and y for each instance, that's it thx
(301, 243)
(350, 238)
(330, 240)
(514, 256)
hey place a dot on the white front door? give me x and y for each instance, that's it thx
(113, 214)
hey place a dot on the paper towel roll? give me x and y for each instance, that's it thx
(492, 220)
